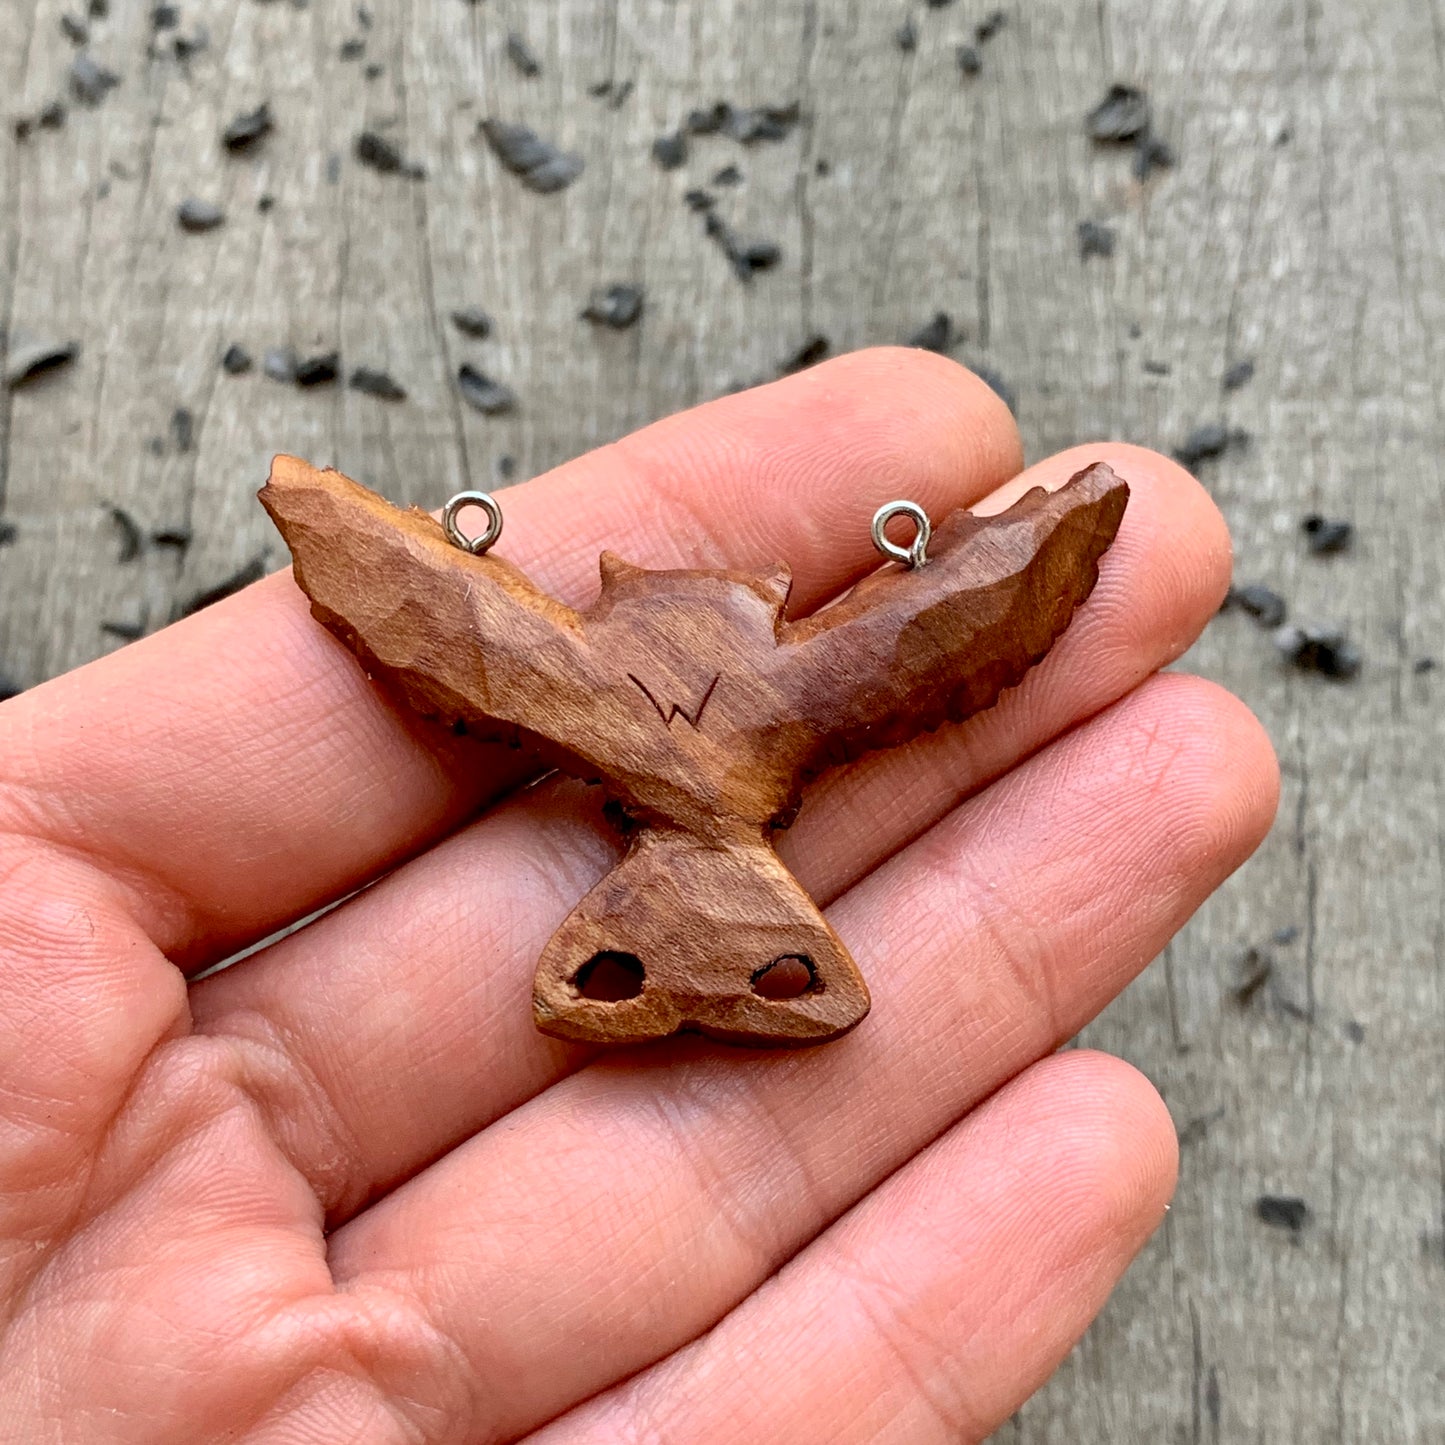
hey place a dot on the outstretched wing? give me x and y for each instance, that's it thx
(459, 638)
(906, 651)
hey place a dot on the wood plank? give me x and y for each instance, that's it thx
(906, 189)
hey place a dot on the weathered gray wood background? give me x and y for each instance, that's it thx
(1303, 228)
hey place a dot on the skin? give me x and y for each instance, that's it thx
(343, 1192)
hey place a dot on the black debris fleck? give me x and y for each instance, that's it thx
(939, 4)
(52, 115)
(906, 36)
(970, 61)
(748, 125)
(253, 571)
(379, 153)
(823, 166)
(1151, 154)
(521, 56)
(1262, 603)
(1156, 368)
(1287, 935)
(183, 429)
(375, 383)
(1254, 972)
(21, 127)
(165, 17)
(810, 353)
(1327, 535)
(1124, 114)
(936, 334)
(266, 203)
(670, 151)
(8, 533)
(989, 26)
(197, 216)
(1210, 440)
(280, 364)
(177, 537)
(537, 163)
(24, 363)
(617, 306)
(99, 9)
(506, 467)
(91, 82)
(747, 257)
(699, 200)
(1424, 665)
(126, 631)
(128, 529)
(1321, 649)
(996, 384)
(615, 93)
(363, 17)
(486, 395)
(1096, 239)
(374, 71)
(472, 321)
(236, 361)
(352, 49)
(1238, 375)
(1354, 1031)
(248, 127)
(1282, 1212)
(728, 176)
(319, 370)
(74, 28)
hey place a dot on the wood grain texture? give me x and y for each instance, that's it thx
(701, 710)
(1318, 257)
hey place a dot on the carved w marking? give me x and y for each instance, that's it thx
(693, 718)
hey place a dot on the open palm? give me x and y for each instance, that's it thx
(344, 1192)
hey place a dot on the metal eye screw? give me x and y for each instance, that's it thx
(483, 541)
(914, 555)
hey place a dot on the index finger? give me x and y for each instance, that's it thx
(238, 770)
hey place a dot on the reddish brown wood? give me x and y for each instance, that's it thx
(701, 711)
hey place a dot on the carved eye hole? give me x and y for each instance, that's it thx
(788, 977)
(610, 977)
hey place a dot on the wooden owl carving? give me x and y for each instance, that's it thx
(701, 710)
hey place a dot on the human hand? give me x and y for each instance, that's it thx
(343, 1191)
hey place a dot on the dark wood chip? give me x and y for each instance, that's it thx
(537, 163)
(1151, 154)
(989, 26)
(483, 393)
(280, 364)
(178, 537)
(8, 533)
(1096, 239)
(1354, 1031)
(670, 151)
(906, 36)
(699, 200)
(1238, 375)
(617, 306)
(1424, 665)
(237, 360)
(1282, 1212)
(183, 429)
(748, 125)
(728, 176)
(521, 56)
(374, 70)
(165, 17)
(128, 529)
(377, 383)
(970, 61)
(1262, 603)
(319, 370)
(91, 82)
(74, 28)
(378, 153)
(253, 571)
(248, 127)
(1212, 439)
(1325, 536)
(52, 115)
(99, 9)
(1122, 115)
(1254, 972)
(1318, 648)
(25, 362)
(506, 468)
(472, 321)
(352, 49)
(747, 257)
(810, 353)
(188, 45)
(1156, 368)
(936, 334)
(197, 216)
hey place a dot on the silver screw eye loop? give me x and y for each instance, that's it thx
(483, 541)
(914, 555)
